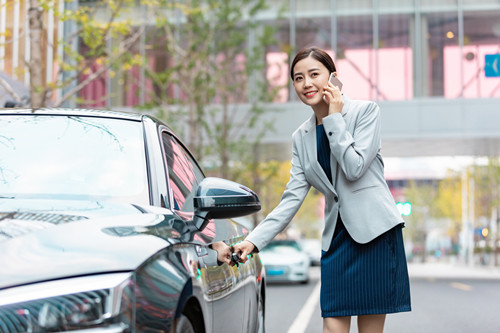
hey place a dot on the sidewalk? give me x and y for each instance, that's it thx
(452, 271)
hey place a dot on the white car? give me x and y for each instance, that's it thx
(312, 246)
(285, 261)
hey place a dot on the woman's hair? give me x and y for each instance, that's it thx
(317, 54)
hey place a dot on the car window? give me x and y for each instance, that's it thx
(72, 157)
(184, 174)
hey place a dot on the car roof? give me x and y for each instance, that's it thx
(73, 112)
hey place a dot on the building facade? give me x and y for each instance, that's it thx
(390, 50)
(434, 66)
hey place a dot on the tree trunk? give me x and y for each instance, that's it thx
(256, 177)
(494, 231)
(224, 154)
(37, 88)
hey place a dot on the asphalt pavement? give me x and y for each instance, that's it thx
(446, 298)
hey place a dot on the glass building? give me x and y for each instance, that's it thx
(401, 49)
(385, 50)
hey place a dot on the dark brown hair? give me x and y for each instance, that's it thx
(317, 54)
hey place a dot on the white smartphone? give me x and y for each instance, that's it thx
(335, 81)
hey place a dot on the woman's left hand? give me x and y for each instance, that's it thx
(333, 98)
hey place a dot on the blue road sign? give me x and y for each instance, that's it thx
(492, 65)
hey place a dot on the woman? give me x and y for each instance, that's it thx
(363, 265)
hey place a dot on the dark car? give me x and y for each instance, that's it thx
(106, 222)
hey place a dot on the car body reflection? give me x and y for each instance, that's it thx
(112, 205)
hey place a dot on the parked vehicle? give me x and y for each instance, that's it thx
(106, 222)
(312, 246)
(285, 261)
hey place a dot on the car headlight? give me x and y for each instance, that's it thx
(99, 303)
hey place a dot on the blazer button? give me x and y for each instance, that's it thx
(336, 199)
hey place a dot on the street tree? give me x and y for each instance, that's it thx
(448, 204)
(85, 52)
(486, 178)
(216, 71)
(275, 174)
(422, 196)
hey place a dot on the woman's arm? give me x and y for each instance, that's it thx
(291, 200)
(354, 153)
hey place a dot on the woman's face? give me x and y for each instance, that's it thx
(309, 78)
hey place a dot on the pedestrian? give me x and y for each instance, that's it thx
(337, 151)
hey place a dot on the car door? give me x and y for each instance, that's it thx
(222, 284)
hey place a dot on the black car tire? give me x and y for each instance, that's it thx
(184, 325)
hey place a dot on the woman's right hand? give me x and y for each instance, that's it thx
(243, 249)
(333, 97)
(223, 252)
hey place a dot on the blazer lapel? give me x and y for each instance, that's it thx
(312, 153)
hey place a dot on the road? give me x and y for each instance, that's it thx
(438, 305)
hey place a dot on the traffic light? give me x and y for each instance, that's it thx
(485, 232)
(404, 208)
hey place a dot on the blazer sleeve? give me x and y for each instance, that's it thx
(354, 153)
(291, 200)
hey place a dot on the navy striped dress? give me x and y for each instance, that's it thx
(361, 279)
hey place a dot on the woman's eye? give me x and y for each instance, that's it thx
(298, 78)
(314, 74)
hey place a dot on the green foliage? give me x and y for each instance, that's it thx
(213, 66)
(486, 180)
(449, 202)
(443, 199)
(270, 178)
(105, 37)
(422, 197)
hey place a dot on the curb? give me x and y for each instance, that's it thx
(452, 271)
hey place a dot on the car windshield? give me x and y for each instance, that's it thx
(69, 157)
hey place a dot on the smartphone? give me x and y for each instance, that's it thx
(335, 81)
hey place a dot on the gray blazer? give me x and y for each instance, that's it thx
(359, 190)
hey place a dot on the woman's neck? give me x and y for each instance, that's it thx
(320, 111)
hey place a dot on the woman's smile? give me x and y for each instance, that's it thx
(310, 94)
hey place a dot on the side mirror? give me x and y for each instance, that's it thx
(218, 198)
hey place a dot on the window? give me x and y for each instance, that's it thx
(354, 56)
(73, 157)
(184, 175)
(481, 39)
(394, 58)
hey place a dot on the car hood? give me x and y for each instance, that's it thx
(62, 239)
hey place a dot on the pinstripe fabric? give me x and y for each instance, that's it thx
(362, 279)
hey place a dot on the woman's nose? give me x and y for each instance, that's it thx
(307, 82)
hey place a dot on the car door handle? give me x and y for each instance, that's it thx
(201, 251)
